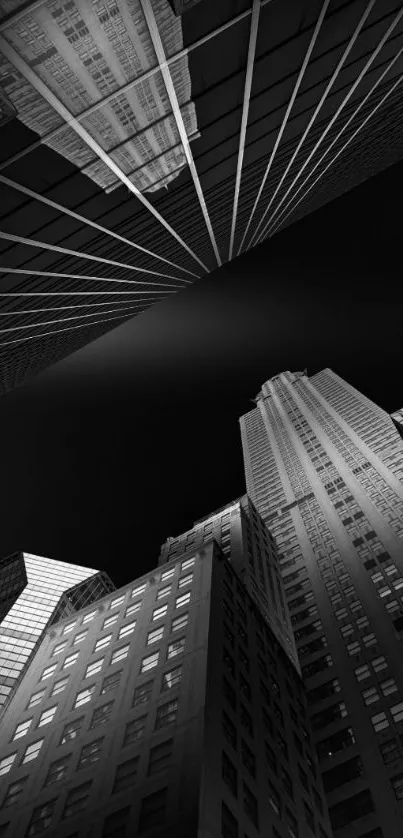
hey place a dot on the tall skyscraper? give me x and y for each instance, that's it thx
(244, 539)
(324, 467)
(30, 599)
(167, 710)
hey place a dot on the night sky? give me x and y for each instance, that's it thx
(134, 437)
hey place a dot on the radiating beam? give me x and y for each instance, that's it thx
(18, 311)
(322, 99)
(58, 249)
(342, 105)
(347, 143)
(76, 293)
(60, 208)
(245, 113)
(44, 91)
(61, 320)
(28, 272)
(286, 115)
(68, 329)
(148, 13)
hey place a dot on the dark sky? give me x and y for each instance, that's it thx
(132, 438)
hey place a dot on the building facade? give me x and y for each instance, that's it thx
(168, 709)
(32, 596)
(324, 467)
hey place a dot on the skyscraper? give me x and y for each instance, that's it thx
(169, 709)
(33, 590)
(324, 467)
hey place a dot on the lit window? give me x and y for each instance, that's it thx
(176, 648)
(180, 622)
(155, 635)
(90, 616)
(31, 751)
(120, 653)
(93, 668)
(102, 642)
(80, 637)
(159, 612)
(185, 580)
(69, 627)
(36, 698)
(83, 696)
(48, 671)
(137, 591)
(149, 662)
(164, 591)
(369, 639)
(171, 679)
(47, 716)
(6, 763)
(362, 672)
(182, 600)
(59, 686)
(110, 621)
(379, 663)
(370, 695)
(131, 609)
(127, 629)
(70, 660)
(353, 648)
(59, 648)
(117, 601)
(76, 800)
(389, 686)
(166, 714)
(21, 729)
(188, 563)
(379, 722)
(168, 574)
(397, 712)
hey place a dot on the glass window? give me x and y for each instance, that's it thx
(59, 686)
(90, 616)
(125, 775)
(389, 686)
(36, 698)
(110, 621)
(164, 591)
(245, 687)
(246, 720)
(250, 805)
(152, 812)
(102, 642)
(248, 758)
(115, 824)
(76, 800)
(94, 667)
(171, 679)
(185, 580)
(21, 729)
(47, 716)
(117, 601)
(379, 722)
(127, 629)
(90, 754)
(111, 682)
(176, 647)
(180, 622)
(31, 751)
(138, 590)
(362, 672)
(48, 671)
(120, 653)
(84, 696)
(131, 609)
(14, 791)
(229, 730)
(134, 730)
(80, 637)
(229, 824)
(57, 770)
(370, 695)
(229, 774)
(41, 818)
(160, 757)
(70, 660)
(166, 714)
(188, 563)
(6, 763)
(69, 627)
(160, 612)
(149, 662)
(379, 663)
(397, 785)
(59, 648)
(142, 693)
(182, 600)
(397, 712)
(101, 715)
(155, 635)
(167, 574)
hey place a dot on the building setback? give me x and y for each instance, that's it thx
(168, 709)
(33, 593)
(324, 467)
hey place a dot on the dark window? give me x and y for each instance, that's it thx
(390, 751)
(115, 824)
(319, 693)
(229, 730)
(242, 634)
(341, 774)
(351, 809)
(229, 636)
(250, 805)
(303, 777)
(229, 693)
(246, 720)
(111, 682)
(142, 693)
(90, 754)
(397, 785)
(229, 663)
(309, 817)
(317, 800)
(270, 757)
(338, 742)
(229, 824)
(101, 715)
(71, 730)
(57, 770)
(268, 722)
(229, 774)
(282, 744)
(160, 757)
(274, 798)
(125, 775)
(298, 744)
(41, 817)
(76, 800)
(291, 824)
(134, 730)
(287, 782)
(152, 812)
(358, 541)
(248, 758)
(166, 714)
(244, 687)
(243, 659)
(265, 692)
(279, 714)
(14, 791)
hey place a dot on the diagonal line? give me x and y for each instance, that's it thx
(342, 130)
(62, 320)
(16, 60)
(333, 160)
(74, 293)
(245, 113)
(148, 13)
(5, 270)
(68, 329)
(58, 249)
(342, 105)
(19, 311)
(286, 115)
(37, 197)
(316, 111)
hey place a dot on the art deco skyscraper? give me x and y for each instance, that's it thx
(324, 467)
(34, 592)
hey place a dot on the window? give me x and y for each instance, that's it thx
(31, 751)
(182, 600)
(250, 805)
(362, 672)
(160, 612)
(14, 791)
(282, 744)
(132, 609)
(160, 757)
(303, 777)
(102, 642)
(59, 648)
(36, 698)
(397, 712)
(80, 637)
(287, 782)
(349, 810)
(152, 812)
(142, 693)
(48, 671)
(115, 824)
(76, 800)
(229, 693)
(93, 668)
(180, 622)
(245, 687)
(59, 686)
(70, 660)
(342, 774)
(137, 591)
(83, 696)
(101, 715)
(166, 714)
(120, 653)
(111, 682)
(228, 662)
(379, 663)
(127, 629)
(21, 729)
(248, 758)
(125, 775)
(188, 563)
(6, 763)
(354, 648)
(246, 720)
(337, 742)
(164, 591)
(370, 695)
(229, 635)
(185, 580)
(176, 647)
(243, 659)
(171, 679)
(90, 616)
(149, 662)
(69, 627)
(229, 730)
(369, 639)
(309, 817)
(397, 785)
(292, 824)
(71, 730)
(390, 751)
(168, 574)
(90, 754)
(47, 716)
(389, 686)
(229, 774)
(134, 730)
(155, 635)
(117, 601)
(379, 722)
(110, 621)
(274, 798)
(229, 824)
(57, 770)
